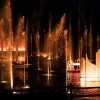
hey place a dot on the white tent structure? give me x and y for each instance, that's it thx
(88, 70)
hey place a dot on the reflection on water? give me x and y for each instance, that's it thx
(74, 78)
(19, 77)
(92, 89)
(49, 75)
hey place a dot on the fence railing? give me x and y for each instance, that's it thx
(70, 91)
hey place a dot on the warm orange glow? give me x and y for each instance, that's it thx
(21, 59)
(75, 64)
(82, 80)
(38, 55)
(44, 55)
(82, 84)
(14, 49)
(14, 92)
(21, 49)
(26, 87)
(90, 84)
(4, 82)
(49, 57)
(10, 58)
(4, 49)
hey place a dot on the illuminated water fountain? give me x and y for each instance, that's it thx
(37, 41)
(13, 48)
(20, 44)
(89, 71)
(55, 38)
(55, 48)
(69, 48)
(6, 46)
(52, 59)
(12, 52)
(70, 42)
(20, 56)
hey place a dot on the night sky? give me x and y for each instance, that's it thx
(39, 11)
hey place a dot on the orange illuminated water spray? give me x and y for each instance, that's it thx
(10, 35)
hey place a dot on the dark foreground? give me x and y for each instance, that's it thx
(44, 95)
(36, 96)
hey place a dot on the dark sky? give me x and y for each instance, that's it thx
(40, 10)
